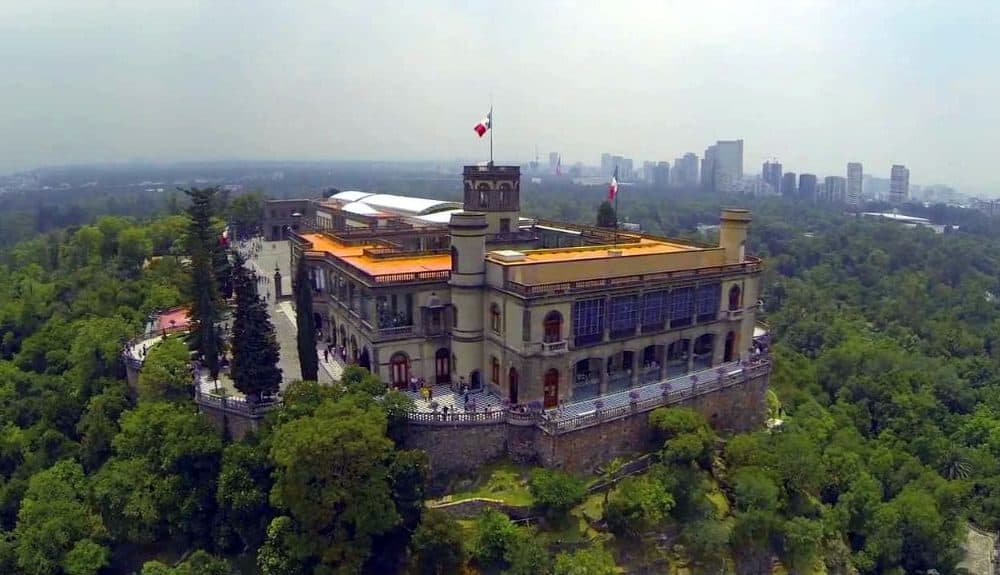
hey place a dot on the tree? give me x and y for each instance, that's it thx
(587, 561)
(705, 542)
(437, 544)
(242, 492)
(525, 554)
(255, 346)
(198, 563)
(99, 424)
(606, 217)
(637, 505)
(56, 530)
(305, 323)
(165, 374)
(556, 491)
(202, 245)
(495, 534)
(246, 212)
(801, 543)
(332, 477)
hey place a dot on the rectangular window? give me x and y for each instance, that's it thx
(588, 321)
(526, 326)
(654, 310)
(681, 307)
(708, 302)
(624, 316)
(504, 225)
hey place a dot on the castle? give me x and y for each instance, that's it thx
(566, 323)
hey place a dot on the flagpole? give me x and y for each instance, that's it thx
(616, 217)
(491, 134)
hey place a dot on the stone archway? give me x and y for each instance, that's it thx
(513, 379)
(550, 389)
(365, 360)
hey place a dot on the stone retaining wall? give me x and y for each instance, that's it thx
(462, 449)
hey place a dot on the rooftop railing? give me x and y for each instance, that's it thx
(751, 264)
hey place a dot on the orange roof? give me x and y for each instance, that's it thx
(354, 256)
(644, 247)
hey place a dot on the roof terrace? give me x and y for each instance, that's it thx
(379, 264)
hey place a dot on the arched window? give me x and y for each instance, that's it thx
(494, 370)
(495, 318)
(735, 301)
(553, 327)
(399, 370)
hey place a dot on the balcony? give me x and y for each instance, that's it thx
(552, 348)
(397, 332)
(731, 314)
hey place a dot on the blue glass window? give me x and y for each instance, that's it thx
(654, 309)
(624, 315)
(708, 302)
(588, 321)
(681, 307)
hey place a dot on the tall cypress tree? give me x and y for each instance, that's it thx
(202, 245)
(254, 343)
(308, 359)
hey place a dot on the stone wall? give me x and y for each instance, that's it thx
(460, 449)
(229, 424)
(457, 449)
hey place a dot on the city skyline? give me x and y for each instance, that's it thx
(178, 81)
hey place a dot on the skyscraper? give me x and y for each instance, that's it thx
(722, 168)
(771, 174)
(807, 187)
(685, 171)
(553, 161)
(661, 175)
(855, 179)
(788, 187)
(899, 184)
(607, 164)
(835, 189)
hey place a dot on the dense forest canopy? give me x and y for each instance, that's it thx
(887, 367)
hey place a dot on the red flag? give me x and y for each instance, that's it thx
(484, 125)
(613, 186)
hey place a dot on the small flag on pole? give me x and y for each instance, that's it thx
(613, 186)
(484, 125)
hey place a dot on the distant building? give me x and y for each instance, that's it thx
(788, 187)
(648, 171)
(661, 175)
(553, 161)
(685, 171)
(722, 167)
(835, 189)
(771, 174)
(899, 184)
(807, 187)
(855, 184)
(607, 164)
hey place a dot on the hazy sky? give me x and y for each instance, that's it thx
(814, 84)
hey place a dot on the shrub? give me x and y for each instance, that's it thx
(556, 491)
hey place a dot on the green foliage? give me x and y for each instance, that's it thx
(203, 247)
(198, 563)
(305, 322)
(438, 544)
(525, 554)
(495, 534)
(704, 542)
(56, 530)
(588, 561)
(242, 492)
(254, 343)
(361, 381)
(606, 215)
(165, 373)
(638, 504)
(556, 491)
(332, 477)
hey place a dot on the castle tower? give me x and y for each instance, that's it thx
(495, 191)
(733, 238)
(468, 275)
(733, 234)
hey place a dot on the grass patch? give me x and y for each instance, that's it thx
(720, 502)
(502, 480)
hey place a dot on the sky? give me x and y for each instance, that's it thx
(812, 84)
